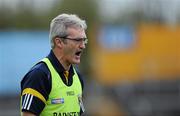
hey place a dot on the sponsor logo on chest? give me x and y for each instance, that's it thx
(70, 93)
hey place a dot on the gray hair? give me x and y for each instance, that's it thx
(59, 25)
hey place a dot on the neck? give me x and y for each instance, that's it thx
(61, 60)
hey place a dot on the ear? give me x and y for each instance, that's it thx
(58, 42)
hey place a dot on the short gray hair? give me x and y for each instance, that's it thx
(59, 25)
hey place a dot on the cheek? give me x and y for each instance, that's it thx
(69, 51)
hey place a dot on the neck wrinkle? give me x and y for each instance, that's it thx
(59, 56)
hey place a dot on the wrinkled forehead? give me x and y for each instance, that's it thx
(76, 32)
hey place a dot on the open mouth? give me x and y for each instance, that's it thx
(78, 53)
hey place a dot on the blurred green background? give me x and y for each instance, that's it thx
(131, 65)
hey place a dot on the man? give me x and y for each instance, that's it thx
(53, 87)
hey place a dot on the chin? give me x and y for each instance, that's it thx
(76, 62)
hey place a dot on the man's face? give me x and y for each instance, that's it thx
(74, 45)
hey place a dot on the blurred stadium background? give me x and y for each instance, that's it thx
(131, 65)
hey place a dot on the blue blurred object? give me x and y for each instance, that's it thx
(113, 37)
(19, 51)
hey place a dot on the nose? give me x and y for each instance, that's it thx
(82, 45)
